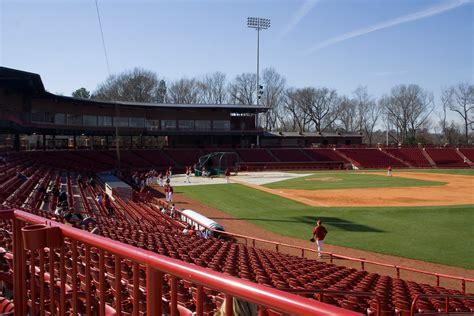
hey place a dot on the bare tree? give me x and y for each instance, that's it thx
(213, 88)
(368, 113)
(348, 114)
(137, 85)
(292, 117)
(321, 105)
(184, 91)
(460, 99)
(273, 94)
(408, 108)
(242, 89)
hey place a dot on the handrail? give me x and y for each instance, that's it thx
(445, 296)
(154, 263)
(333, 256)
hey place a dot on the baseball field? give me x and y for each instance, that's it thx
(424, 215)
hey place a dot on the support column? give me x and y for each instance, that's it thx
(44, 142)
(74, 142)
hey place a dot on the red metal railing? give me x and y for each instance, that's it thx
(446, 297)
(332, 256)
(66, 285)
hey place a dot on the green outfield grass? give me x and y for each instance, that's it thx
(348, 180)
(465, 172)
(436, 234)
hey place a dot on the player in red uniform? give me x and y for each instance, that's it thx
(320, 233)
(188, 174)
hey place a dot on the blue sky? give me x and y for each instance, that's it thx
(335, 43)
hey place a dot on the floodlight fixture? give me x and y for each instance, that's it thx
(258, 23)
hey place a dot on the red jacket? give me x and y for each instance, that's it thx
(320, 232)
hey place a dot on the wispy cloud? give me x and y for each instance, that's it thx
(389, 73)
(298, 16)
(390, 23)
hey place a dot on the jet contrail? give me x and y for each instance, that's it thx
(298, 16)
(390, 23)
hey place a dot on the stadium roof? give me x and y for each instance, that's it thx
(32, 83)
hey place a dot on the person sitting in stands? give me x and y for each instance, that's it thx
(202, 233)
(92, 182)
(21, 176)
(98, 198)
(187, 229)
(62, 197)
(42, 189)
(56, 191)
(108, 205)
(86, 221)
(163, 211)
(95, 230)
(73, 217)
(173, 211)
(79, 179)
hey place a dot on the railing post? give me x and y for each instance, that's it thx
(302, 252)
(199, 303)
(18, 269)
(276, 247)
(398, 272)
(253, 242)
(229, 305)
(154, 279)
(463, 286)
(437, 279)
(362, 265)
(331, 259)
(174, 296)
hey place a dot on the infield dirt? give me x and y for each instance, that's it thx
(458, 190)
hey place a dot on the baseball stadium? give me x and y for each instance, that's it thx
(204, 196)
(239, 223)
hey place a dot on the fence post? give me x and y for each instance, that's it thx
(18, 269)
(398, 272)
(154, 304)
(229, 305)
(463, 286)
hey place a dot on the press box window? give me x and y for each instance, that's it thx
(186, 124)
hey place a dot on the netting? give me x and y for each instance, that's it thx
(216, 163)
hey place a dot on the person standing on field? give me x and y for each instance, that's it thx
(320, 233)
(389, 171)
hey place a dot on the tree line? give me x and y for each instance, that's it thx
(407, 112)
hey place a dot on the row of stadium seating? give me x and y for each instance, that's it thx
(271, 158)
(143, 225)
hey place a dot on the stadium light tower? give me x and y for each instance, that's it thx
(258, 24)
